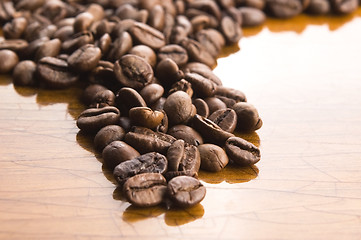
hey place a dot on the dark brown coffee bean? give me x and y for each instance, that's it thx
(133, 71)
(128, 98)
(225, 119)
(186, 191)
(228, 101)
(157, 17)
(28, 5)
(107, 135)
(103, 74)
(242, 152)
(168, 73)
(85, 58)
(200, 22)
(252, 16)
(231, 30)
(77, 41)
(120, 46)
(186, 133)
(152, 93)
(8, 59)
(247, 117)
(202, 107)
(83, 21)
(127, 11)
(103, 99)
(202, 86)
(89, 93)
(147, 35)
(284, 8)
(214, 104)
(235, 94)
(145, 117)
(159, 105)
(7, 10)
(178, 107)
(104, 43)
(117, 152)
(145, 52)
(15, 28)
(202, 70)
(210, 131)
(146, 189)
(196, 52)
(145, 140)
(182, 85)
(93, 119)
(319, 7)
(24, 73)
(49, 48)
(175, 52)
(96, 10)
(212, 40)
(213, 157)
(151, 162)
(16, 45)
(64, 33)
(54, 73)
(344, 6)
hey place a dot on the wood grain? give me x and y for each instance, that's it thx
(304, 77)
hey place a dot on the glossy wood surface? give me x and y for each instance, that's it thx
(304, 77)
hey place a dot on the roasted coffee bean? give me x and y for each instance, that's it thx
(104, 43)
(215, 104)
(127, 11)
(247, 117)
(152, 93)
(213, 157)
(182, 85)
(202, 86)
(151, 162)
(90, 92)
(7, 10)
(200, 22)
(319, 7)
(96, 10)
(145, 117)
(228, 101)
(83, 21)
(242, 152)
(159, 105)
(103, 74)
(225, 119)
(133, 71)
(179, 108)
(186, 191)
(107, 135)
(212, 40)
(344, 6)
(144, 34)
(284, 8)
(201, 106)
(128, 98)
(120, 46)
(55, 73)
(232, 93)
(146, 189)
(93, 119)
(164, 124)
(145, 52)
(117, 151)
(175, 52)
(85, 58)
(15, 28)
(16, 45)
(24, 73)
(192, 13)
(231, 30)
(8, 59)
(210, 131)
(188, 134)
(77, 41)
(157, 17)
(145, 140)
(198, 53)
(259, 4)
(167, 72)
(183, 157)
(103, 99)
(252, 16)
(204, 71)
(50, 48)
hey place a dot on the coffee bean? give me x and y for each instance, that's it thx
(16, 45)
(188, 134)
(182, 85)
(151, 162)
(77, 41)
(232, 93)
(145, 117)
(7, 10)
(83, 22)
(242, 152)
(157, 17)
(24, 73)
(8, 59)
(178, 107)
(85, 58)
(147, 35)
(117, 151)
(127, 98)
(344, 6)
(167, 72)
(197, 52)
(202, 86)
(107, 135)
(213, 157)
(225, 119)
(284, 8)
(231, 30)
(103, 99)
(175, 52)
(145, 52)
(183, 157)
(202, 107)
(252, 16)
(247, 117)
(93, 119)
(50, 48)
(152, 93)
(15, 28)
(146, 189)
(120, 46)
(89, 93)
(215, 104)
(212, 40)
(55, 73)
(319, 7)
(186, 191)
(133, 71)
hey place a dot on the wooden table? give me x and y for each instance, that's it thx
(303, 75)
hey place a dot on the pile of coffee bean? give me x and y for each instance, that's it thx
(156, 110)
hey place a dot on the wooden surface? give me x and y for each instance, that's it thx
(303, 75)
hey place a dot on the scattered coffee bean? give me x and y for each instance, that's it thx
(241, 151)
(213, 157)
(117, 152)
